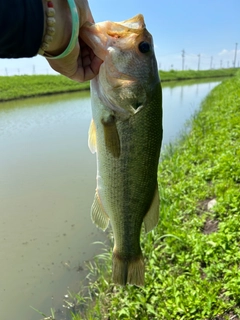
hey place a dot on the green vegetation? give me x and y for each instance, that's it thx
(193, 255)
(192, 74)
(52, 317)
(19, 87)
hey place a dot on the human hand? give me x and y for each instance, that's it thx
(81, 64)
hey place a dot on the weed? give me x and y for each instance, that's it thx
(52, 317)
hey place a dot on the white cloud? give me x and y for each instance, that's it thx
(228, 53)
(223, 52)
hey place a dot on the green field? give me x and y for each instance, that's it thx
(193, 255)
(192, 74)
(19, 87)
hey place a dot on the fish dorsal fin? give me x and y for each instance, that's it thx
(111, 137)
(98, 214)
(151, 218)
(92, 137)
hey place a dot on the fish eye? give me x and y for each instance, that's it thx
(144, 47)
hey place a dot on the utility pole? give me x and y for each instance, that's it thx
(211, 62)
(235, 57)
(183, 59)
(199, 58)
(220, 64)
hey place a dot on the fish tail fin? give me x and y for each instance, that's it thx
(128, 270)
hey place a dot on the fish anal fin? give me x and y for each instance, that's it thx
(92, 137)
(111, 136)
(98, 214)
(151, 218)
(128, 270)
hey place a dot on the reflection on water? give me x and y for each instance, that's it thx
(47, 185)
(180, 101)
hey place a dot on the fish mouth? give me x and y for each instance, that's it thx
(101, 37)
(118, 84)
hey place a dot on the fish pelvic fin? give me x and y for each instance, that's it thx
(128, 270)
(92, 137)
(151, 218)
(111, 136)
(98, 214)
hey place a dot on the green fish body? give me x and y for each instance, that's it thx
(126, 134)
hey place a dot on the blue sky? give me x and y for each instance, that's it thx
(210, 28)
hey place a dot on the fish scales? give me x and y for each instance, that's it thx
(126, 134)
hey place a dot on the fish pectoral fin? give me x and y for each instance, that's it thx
(151, 218)
(111, 137)
(98, 214)
(92, 137)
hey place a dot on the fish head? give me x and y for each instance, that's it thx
(129, 72)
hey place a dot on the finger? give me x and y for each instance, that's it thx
(89, 71)
(95, 65)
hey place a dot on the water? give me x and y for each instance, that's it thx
(180, 101)
(47, 183)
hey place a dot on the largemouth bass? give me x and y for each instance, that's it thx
(126, 134)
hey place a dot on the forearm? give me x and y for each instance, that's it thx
(59, 11)
(56, 43)
(50, 28)
(21, 28)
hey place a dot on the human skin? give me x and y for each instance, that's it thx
(81, 64)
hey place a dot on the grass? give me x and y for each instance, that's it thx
(52, 317)
(174, 75)
(19, 87)
(193, 255)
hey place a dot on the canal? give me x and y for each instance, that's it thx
(47, 183)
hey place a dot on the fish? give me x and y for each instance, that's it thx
(126, 135)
